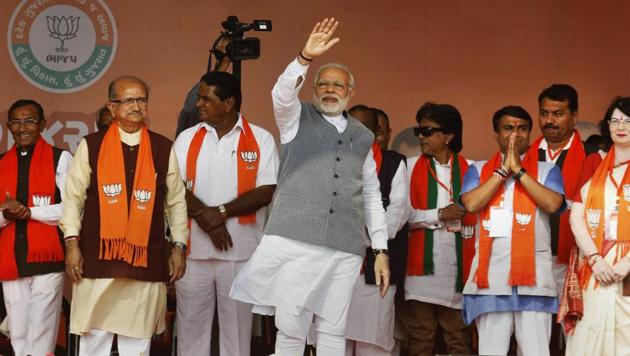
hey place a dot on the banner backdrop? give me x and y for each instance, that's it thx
(478, 56)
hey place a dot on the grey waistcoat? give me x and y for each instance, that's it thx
(319, 198)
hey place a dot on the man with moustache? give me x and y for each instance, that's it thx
(370, 328)
(123, 186)
(562, 145)
(230, 166)
(32, 176)
(511, 287)
(306, 265)
(383, 132)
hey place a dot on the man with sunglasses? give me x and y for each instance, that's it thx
(32, 176)
(307, 263)
(123, 187)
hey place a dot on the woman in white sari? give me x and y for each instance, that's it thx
(600, 220)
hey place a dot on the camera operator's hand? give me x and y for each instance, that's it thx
(319, 41)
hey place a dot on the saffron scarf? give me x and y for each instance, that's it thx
(571, 171)
(125, 226)
(42, 240)
(523, 257)
(423, 196)
(594, 210)
(248, 160)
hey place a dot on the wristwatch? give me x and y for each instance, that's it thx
(519, 175)
(181, 245)
(222, 210)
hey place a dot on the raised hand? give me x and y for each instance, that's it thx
(319, 41)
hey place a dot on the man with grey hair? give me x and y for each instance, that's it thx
(123, 186)
(306, 265)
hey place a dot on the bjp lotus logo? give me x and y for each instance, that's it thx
(63, 28)
(189, 184)
(112, 190)
(142, 196)
(523, 219)
(249, 157)
(41, 200)
(592, 217)
(468, 231)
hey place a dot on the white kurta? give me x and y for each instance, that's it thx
(370, 317)
(439, 287)
(293, 275)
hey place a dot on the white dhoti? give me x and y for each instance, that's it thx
(99, 343)
(605, 327)
(532, 331)
(300, 283)
(370, 325)
(205, 283)
(33, 311)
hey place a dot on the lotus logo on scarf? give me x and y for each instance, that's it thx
(189, 184)
(486, 224)
(523, 219)
(142, 196)
(468, 231)
(569, 204)
(249, 157)
(112, 191)
(592, 218)
(626, 192)
(41, 200)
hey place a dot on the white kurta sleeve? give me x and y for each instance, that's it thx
(373, 205)
(286, 101)
(77, 183)
(397, 211)
(51, 214)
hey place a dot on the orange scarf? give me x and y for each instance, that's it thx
(125, 226)
(248, 160)
(594, 211)
(523, 258)
(423, 196)
(571, 170)
(42, 240)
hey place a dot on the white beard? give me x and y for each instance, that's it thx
(330, 108)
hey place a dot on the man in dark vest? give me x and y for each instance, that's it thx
(306, 265)
(370, 329)
(32, 176)
(123, 183)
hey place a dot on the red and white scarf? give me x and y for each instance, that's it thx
(42, 240)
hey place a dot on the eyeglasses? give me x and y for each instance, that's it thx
(28, 123)
(141, 101)
(337, 85)
(618, 122)
(426, 131)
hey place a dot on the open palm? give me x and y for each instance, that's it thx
(319, 41)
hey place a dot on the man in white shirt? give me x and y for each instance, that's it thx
(305, 267)
(230, 181)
